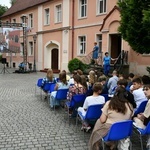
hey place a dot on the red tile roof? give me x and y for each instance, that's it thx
(22, 5)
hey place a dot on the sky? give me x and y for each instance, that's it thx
(5, 2)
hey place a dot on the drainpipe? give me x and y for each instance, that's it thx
(73, 8)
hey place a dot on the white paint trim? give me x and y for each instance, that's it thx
(52, 44)
(40, 18)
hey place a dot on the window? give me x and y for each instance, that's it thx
(83, 8)
(82, 45)
(99, 42)
(30, 20)
(47, 17)
(101, 6)
(58, 13)
(14, 20)
(30, 48)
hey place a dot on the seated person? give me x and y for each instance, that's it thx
(117, 109)
(103, 81)
(77, 88)
(142, 119)
(48, 79)
(62, 84)
(67, 76)
(138, 93)
(123, 83)
(96, 98)
(21, 66)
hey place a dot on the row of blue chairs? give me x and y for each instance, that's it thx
(94, 112)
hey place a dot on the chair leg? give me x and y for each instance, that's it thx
(130, 145)
(76, 122)
(141, 142)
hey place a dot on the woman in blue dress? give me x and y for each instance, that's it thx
(95, 53)
(106, 63)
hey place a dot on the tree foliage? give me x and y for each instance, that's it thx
(12, 2)
(3, 9)
(135, 24)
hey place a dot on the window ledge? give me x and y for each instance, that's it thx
(80, 18)
(101, 14)
(146, 55)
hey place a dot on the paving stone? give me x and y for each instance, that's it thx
(27, 123)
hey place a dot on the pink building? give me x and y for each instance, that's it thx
(68, 28)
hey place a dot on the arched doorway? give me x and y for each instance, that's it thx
(54, 59)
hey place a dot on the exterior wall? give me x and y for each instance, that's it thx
(64, 35)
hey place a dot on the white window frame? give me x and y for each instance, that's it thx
(31, 20)
(82, 8)
(21, 49)
(47, 16)
(14, 20)
(58, 13)
(99, 41)
(82, 45)
(30, 48)
(101, 9)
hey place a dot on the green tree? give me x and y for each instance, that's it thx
(3, 9)
(12, 2)
(135, 24)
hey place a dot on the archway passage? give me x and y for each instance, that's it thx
(54, 59)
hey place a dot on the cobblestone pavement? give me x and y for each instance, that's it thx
(27, 123)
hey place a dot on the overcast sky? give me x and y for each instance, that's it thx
(5, 2)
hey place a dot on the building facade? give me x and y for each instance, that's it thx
(67, 29)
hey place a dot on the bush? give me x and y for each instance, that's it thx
(75, 64)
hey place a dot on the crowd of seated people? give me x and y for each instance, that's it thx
(126, 94)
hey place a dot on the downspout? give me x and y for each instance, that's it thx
(73, 8)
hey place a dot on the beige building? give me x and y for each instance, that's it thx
(67, 29)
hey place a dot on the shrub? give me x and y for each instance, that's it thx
(75, 64)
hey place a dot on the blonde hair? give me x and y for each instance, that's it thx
(92, 77)
(50, 74)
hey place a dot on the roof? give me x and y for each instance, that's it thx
(21, 5)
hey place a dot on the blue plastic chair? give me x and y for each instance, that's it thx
(106, 97)
(61, 95)
(143, 132)
(77, 101)
(38, 85)
(141, 108)
(93, 113)
(118, 131)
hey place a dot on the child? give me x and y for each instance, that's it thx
(91, 100)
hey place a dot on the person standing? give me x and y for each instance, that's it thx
(95, 53)
(106, 63)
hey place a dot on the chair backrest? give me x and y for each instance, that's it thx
(77, 100)
(106, 97)
(94, 112)
(47, 86)
(61, 94)
(141, 107)
(119, 130)
(52, 87)
(147, 129)
(39, 82)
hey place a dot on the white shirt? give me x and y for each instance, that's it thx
(91, 100)
(139, 96)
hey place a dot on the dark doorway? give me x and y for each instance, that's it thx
(54, 60)
(115, 46)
